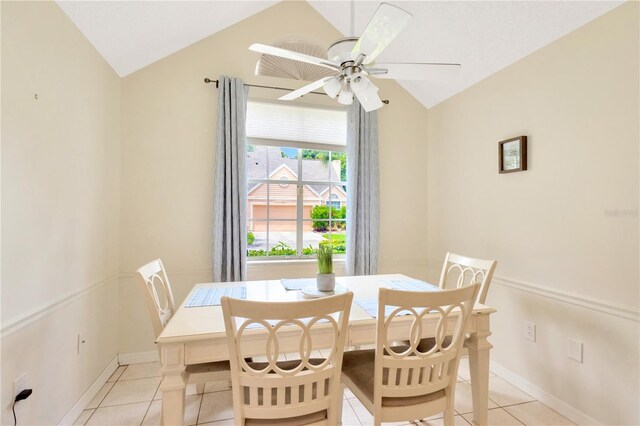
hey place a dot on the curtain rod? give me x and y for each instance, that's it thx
(208, 80)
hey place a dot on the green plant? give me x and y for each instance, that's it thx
(321, 215)
(325, 258)
(282, 249)
(308, 251)
(250, 238)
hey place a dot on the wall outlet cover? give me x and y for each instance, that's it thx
(530, 331)
(575, 350)
(20, 384)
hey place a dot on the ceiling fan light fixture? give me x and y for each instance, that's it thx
(359, 84)
(346, 97)
(332, 87)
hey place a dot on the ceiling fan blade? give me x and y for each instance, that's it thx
(369, 100)
(415, 71)
(386, 24)
(289, 54)
(304, 90)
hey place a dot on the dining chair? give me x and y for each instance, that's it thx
(459, 271)
(298, 391)
(402, 383)
(154, 283)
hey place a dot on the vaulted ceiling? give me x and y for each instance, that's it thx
(483, 36)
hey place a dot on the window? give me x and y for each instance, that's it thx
(296, 189)
(334, 201)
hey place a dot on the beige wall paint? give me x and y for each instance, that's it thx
(168, 138)
(60, 198)
(577, 101)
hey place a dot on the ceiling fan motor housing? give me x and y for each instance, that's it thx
(340, 51)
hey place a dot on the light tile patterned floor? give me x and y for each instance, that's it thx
(131, 397)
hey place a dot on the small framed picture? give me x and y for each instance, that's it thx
(512, 155)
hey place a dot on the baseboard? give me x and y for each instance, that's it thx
(86, 398)
(138, 357)
(547, 399)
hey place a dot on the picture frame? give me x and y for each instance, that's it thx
(512, 155)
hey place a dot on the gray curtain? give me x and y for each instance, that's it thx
(230, 187)
(363, 187)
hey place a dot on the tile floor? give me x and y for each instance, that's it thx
(131, 397)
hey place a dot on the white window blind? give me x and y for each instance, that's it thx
(295, 122)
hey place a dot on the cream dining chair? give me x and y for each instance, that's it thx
(400, 383)
(154, 283)
(459, 271)
(297, 391)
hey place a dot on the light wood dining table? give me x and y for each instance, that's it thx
(197, 335)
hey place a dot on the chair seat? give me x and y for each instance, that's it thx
(358, 367)
(284, 365)
(429, 342)
(208, 372)
(208, 367)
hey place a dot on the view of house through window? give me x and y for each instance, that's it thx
(296, 200)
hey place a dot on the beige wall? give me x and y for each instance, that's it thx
(60, 198)
(168, 138)
(577, 101)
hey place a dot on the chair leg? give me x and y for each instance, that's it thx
(200, 388)
(448, 416)
(338, 405)
(376, 420)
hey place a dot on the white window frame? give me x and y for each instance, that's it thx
(330, 202)
(300, 183)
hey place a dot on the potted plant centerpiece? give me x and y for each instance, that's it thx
(326, 279)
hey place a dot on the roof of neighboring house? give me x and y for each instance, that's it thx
(260, 158)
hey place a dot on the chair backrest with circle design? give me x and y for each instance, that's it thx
(155, 285)
(302, 387)
(405, 371)
(459, 271)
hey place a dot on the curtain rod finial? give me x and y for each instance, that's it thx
(208, 80)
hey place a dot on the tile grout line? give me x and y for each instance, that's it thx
(89, 418)
(150, 403)
(105, 395)
(514, 416)
(200, 407)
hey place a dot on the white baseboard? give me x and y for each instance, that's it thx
(547, 399)
(138, 357)
(86, 398)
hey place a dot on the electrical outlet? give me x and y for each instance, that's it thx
(575, 350)
(20, 384)
(80, 343)
(530, 331)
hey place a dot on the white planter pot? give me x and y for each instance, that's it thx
(326, 282)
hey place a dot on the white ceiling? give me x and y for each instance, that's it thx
(484, 36)
(133, 34)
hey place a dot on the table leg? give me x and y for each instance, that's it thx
(479, 348)
(173, 384)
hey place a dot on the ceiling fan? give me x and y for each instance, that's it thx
(353, 60)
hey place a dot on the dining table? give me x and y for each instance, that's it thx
(196, 333)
